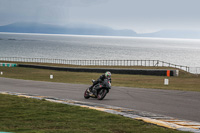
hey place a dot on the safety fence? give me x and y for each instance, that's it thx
(145, 63)
(155, 72)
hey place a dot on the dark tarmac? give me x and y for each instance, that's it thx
(178, 104)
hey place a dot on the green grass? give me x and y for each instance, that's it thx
(185, 82)
(24, 115)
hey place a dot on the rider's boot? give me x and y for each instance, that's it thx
(91, 91)
(95, 92)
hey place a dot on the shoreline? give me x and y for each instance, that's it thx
(105, 36)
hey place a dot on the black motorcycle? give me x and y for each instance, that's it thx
(99, 91)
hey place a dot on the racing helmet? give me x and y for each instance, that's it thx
(108, 74)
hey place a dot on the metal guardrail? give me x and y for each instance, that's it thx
(145, 63)
(195, 70)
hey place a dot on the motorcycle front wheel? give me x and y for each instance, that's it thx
(102, 93)
(86, 94)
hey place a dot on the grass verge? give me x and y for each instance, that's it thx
(185, 82)
(23, 115)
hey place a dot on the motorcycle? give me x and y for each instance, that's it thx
(99, 91)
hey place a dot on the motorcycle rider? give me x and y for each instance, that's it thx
(107, 75)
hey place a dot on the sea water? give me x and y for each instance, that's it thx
(176, 51)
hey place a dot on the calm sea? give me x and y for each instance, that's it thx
(177, 51)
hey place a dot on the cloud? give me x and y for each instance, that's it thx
(132, 14)
(47, 11)
(87, 2)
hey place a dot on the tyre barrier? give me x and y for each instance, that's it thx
(8, 65)
(155, 72)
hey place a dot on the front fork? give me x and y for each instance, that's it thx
(94, 91)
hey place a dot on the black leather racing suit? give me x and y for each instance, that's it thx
(99, 80)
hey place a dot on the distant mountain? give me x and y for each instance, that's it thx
(190, 34)
(80, 29)
(91, 29)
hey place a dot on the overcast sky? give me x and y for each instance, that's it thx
(139, 15)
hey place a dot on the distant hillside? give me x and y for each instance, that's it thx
(26, 27)
(190, 34)
(90, 29)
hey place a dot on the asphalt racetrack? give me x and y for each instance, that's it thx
(179, 104)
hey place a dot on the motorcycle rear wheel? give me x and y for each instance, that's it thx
(102, 93)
